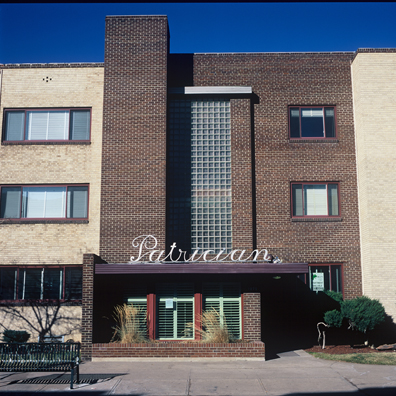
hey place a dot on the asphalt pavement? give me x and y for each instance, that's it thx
(292, 374)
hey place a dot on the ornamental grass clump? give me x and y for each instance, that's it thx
(130, 327)
(214, 327)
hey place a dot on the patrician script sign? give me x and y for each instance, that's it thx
(147, 245)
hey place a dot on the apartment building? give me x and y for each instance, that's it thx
(181, 183)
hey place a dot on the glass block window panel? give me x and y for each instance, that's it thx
(175, 310)
(225, 298)
(200, 204)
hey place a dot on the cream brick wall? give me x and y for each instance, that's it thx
(27, 244)
(374, 90)
(67, 323)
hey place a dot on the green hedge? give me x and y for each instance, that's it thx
(15, 336)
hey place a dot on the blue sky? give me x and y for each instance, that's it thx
(47, 33)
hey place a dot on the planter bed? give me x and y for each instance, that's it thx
(243, 350)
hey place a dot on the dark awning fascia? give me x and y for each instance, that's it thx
(201, 268)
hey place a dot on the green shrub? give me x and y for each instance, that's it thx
(337, 296)
(363, 313)
(333, 318)
(15, 336)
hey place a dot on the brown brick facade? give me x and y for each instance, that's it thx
(134, 134)
(243, 222)
(179, 350)
(281, 80)
(251, 316)
(128, 171)
(87, 305)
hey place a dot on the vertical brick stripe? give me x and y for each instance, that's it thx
(133, 198)
(252, 316)
(87, 305)
(241, 162)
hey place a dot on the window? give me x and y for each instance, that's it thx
(175, 308)
(136, 295)
(200, 201)
(225, 298)
(48, 283)
(44, 202)
(315, 199)
(47, 125)
(312, 122)
(8, 279)
(323, 277)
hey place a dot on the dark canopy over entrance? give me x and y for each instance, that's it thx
(202, 268)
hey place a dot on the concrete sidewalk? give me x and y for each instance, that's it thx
(294, 373)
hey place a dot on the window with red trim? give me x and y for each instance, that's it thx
(312, 122)
(46, 283)
(47, 125)
(44, 202)
(324, 277)
(315, 200)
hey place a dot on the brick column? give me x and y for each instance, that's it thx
(133, 196)
(243, 225)
(252, 316)
(87, 305)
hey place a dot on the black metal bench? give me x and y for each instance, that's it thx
(33, 356)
